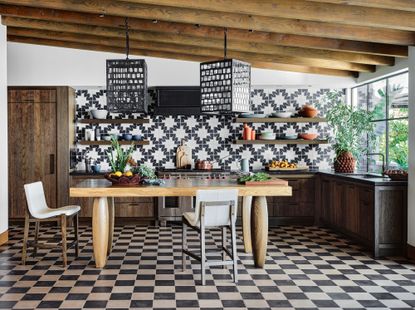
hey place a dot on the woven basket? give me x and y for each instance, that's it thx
(123, 180)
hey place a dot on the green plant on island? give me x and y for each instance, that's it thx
(256, 177)
(118, 157)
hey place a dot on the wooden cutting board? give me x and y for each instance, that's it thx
(183, 156)
(274, 181)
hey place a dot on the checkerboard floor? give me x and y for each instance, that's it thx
(306, 268)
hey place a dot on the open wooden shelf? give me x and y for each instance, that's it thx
(281, 120)
(281, 141)
(141, 142)
(114, 121)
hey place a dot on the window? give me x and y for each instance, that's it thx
(388, 100)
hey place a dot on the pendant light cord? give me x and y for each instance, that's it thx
(127, 38)
(225, 43)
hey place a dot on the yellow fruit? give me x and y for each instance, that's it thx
(128, 174)
(117, 173)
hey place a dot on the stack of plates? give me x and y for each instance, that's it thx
(268, 135)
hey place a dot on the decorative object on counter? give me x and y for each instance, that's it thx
(245, 165)
(203, 165)
(87, 165)
(147, 174)
(99, 113)
(396, 174)
(308, 136)
(127, 82)
(284, 165)
(119, 160)
(96, 168)
(225, 85)
(281, 114)
(308, 111)
(184, 156)
(260, 178)
(350, 125)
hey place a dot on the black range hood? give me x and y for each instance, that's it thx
(177, 100)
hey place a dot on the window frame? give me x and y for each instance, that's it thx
(387, 119)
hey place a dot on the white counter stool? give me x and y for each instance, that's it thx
(214, 208)
(38, 211)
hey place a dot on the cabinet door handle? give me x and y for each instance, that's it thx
(52, 163)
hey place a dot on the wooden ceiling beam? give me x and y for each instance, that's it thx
(169, 55)
(404, 5)
(300, 9)
(229, 20)
(193, 50)
(206, 31)
(197, 41)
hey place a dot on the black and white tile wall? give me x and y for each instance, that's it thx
(211, 137)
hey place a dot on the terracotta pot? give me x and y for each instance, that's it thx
(308, 111)
(345, 163)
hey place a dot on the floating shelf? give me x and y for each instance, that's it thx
(114, 121)
(141, 142)
(281, 120)
(281, 141)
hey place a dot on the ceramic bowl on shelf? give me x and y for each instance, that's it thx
(267, 135)
(252, 115)
(281, 114)
(99, 113)
(106, 137)
(137, 137)
(308, 136)
(290, 136)
(127, 136)
(308, 111)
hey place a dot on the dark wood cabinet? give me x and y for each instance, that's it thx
(371, 214)
(39, 138)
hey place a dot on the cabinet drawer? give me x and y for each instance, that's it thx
(134, 210)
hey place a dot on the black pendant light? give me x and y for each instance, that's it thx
(127, 82)
(225, 85)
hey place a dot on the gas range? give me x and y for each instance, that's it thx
(193, 173)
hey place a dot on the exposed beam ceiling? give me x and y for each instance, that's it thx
(206, 31)
(231, 20)
(194, 50)
(404, 5)
(151, 53)
(339, 37)
(300, 9)
(233, 45)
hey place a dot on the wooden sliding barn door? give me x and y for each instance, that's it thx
(32, 145)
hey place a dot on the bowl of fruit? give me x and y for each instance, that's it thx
(283, 165)
(119, 159)
(396, 174)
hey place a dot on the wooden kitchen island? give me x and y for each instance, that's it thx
(255, 229)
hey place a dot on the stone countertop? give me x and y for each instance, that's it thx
(366, 178)
(377, 180)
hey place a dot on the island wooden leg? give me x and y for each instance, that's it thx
(259, 230)
(100, 230)
(111, 215)
(246, 223)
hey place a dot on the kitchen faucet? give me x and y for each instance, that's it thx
(383, 159)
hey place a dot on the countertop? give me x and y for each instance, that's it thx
(373, 179)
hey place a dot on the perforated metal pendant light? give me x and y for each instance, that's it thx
(225, 85)
(127, 82)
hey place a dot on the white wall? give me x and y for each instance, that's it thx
(411, 184)
(42, 65)
(3, 130)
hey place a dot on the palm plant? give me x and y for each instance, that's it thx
(119, 158)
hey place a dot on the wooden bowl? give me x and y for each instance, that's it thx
(308, 136)
(123, 180)
(308, 112)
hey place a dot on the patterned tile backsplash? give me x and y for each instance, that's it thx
(211, 137)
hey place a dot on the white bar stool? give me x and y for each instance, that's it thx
(38, 211)
(214, 208)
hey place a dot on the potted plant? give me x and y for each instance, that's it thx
(119, 161)
(350, 125)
